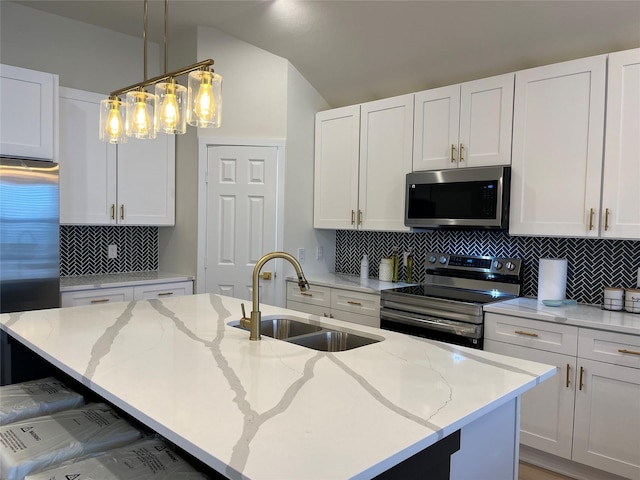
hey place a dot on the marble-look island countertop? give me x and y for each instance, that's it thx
(588, 316)
(86, 282)
(350, 282)
(272, 409)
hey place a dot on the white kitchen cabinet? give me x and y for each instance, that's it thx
(607, 411)
(589, 412)
(362, 155)
(126, 293)
(341, 304)
(337, 152)
(467, 125)
(558, 131)
(101, 184)
(620, 212)
(28, 113)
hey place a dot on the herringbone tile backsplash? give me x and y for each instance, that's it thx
(84, 249)
(592, 263)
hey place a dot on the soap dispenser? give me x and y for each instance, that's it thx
(364, 266)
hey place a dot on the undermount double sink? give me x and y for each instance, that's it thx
(311, 336)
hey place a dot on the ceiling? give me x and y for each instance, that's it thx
(356, 51)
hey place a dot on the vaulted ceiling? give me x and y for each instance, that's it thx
(356, 51)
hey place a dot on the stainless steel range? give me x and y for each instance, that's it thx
(448, 306)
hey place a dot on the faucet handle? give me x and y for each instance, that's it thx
(244, 321)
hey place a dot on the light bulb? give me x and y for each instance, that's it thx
(114, 122)
(205, 107)
(141, 121)
(169, 112)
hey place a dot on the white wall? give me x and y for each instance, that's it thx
(303, 101)
(84, 56)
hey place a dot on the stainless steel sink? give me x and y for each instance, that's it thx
(332, 341)
(283, 327)
(311, 336)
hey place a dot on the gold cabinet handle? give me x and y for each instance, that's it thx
(353, 217)
(305, 294)
(122, 212)
(353, 303)
(606, 219)
(461, 154)
(453, 152)
(165, 294)
(359, 217)
(591, 218)
(100, 300)
(568, 368)
(265, 276)
(581, 375)
(528, 334)
(632, 352)
(113, 211)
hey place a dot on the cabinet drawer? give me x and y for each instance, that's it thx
(162, 290)
(358, 318)
(98, 296)
(307, 308)
(354, 302)
(547, 336)
(316, 295)
(610, 347)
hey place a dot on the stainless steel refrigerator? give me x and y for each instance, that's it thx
(29, 245)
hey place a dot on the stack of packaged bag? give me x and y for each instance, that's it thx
(48, 433)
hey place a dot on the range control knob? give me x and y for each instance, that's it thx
(443, 260)
(511, 266)
(497, 265)
(432, 259)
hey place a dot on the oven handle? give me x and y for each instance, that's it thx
(471, 331)
(432, 311)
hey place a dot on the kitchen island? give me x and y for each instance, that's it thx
(276, 410)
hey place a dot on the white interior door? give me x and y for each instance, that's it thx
(241, 184)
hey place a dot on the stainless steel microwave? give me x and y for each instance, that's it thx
(458, 198)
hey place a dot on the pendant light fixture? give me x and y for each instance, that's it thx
(170, 107)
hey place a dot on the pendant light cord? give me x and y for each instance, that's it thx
(144, 37)
(166, 35)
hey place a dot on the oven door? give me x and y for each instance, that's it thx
(432, 327)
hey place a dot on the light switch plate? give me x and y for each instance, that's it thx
(319, 253)
(113, 251)
(301, 255)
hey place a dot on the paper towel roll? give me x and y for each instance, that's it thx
(552, 279)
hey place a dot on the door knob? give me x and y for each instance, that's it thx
(265, 276)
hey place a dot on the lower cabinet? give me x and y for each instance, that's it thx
(590, 411)
(338, 303)
(98, 296)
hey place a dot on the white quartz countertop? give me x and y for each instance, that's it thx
(350, 282)
(272, 409)
(86, 282)
(588, 316)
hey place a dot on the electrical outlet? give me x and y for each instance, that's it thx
(113, 251)
(319, 253)
(301, 255)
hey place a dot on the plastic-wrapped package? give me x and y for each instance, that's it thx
(42, 442)
(36, 398)
(148, 459)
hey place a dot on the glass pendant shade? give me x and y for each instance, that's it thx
(112, 127)
(205, 99)
(172, 113)
(141, 110)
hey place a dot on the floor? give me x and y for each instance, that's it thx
(531, 472)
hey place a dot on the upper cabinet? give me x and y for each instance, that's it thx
(101, 184)
(28, 113)
(620, 212)
(467, 125)
(558, 131)
(362, 156)
(337, 153)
